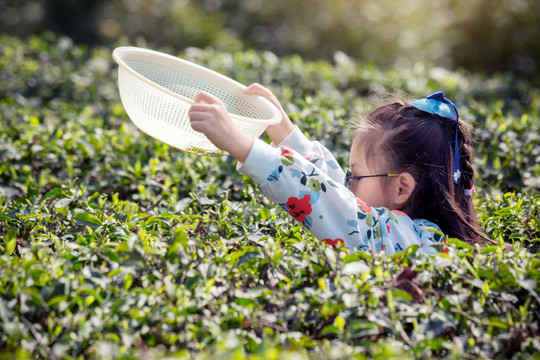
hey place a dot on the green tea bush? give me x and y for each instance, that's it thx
(117, 246)
(487, 35)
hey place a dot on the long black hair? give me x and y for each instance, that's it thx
(407, 139)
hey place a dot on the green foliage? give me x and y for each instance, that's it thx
(513, 217)
(487, 35)
(115, 245)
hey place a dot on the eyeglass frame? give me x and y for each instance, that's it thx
(348, 177)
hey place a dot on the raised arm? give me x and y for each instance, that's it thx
(286, 134)
(278, 132)
(211, 119)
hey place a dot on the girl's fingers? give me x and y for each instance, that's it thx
(253, 88)
(200, 116)
(203, 108)
(199, 126)
(207, 98)
(258, 89)
(199, 121)
(197, 108)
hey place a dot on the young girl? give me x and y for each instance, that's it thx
(411, 173)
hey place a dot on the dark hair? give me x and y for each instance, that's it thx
(410, 140)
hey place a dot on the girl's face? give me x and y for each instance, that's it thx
(371, 190)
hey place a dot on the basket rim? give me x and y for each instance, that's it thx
(121, 51)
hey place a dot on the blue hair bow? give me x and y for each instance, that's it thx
(437, 104)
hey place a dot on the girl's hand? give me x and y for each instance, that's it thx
(212, 119)
(278, 132)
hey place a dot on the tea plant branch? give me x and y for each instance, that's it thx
(269, 324)
(33, 330)
(469, 317)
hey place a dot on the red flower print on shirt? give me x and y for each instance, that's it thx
(334, 242)
(364, 206)
(285, 151)
(287, 156)
(299, 208)
(399, 213)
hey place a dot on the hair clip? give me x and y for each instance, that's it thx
(437, 104)
(469, 192)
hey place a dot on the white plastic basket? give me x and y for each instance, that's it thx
(157, 90)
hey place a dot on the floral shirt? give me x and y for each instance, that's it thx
(306, 181)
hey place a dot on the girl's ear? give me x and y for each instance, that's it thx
(404, 187)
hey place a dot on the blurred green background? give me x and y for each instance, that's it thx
(480, 35)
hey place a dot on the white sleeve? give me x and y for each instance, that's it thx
(315, 152)
(326, 207)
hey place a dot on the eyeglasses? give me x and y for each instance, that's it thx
(349, 177)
